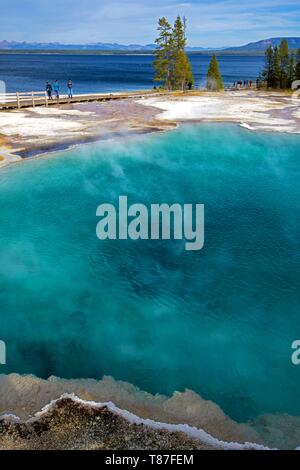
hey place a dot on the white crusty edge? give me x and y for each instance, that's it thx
(190, 431)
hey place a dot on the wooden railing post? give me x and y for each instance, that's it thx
(33, 102)
(18, 100)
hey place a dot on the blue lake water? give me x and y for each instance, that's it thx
(109, 73)
(219, 321)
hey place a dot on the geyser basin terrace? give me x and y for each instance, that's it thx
(220, 321)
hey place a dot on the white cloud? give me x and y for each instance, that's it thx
(210, 23)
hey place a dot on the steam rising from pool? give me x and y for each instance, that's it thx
(219, 322)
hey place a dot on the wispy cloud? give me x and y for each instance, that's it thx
(211, 23)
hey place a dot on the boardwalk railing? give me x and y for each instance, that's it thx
(19, 100)
(39, 98)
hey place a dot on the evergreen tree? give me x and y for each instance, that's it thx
(281, 68)
(284, 63)
(183, 75)
(268, 73)
(163, 53)
(297, 68)
(172, 65)
(277, 71)
(214, 77)
(179, 35)
(182, 69)
(291, 72)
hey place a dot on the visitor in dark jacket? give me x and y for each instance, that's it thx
(49, 90)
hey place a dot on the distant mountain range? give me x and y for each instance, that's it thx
(259, 46)
(99, 46)
(294, 43)
(51, 46)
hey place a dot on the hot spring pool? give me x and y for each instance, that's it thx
(220, 321)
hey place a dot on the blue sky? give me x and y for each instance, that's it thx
(210, 23)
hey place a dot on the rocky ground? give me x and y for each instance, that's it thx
(33, 131)
(254, 110)
(36, 130)
(74, 426)
(185, 420)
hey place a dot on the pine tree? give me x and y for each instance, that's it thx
(281, 68)
(179, 35)
(172, 65)
(291, 72)
(277, 71)
(268, 73)
(182, 69)
(297, 68)
(183, 75)
(214, 77)
(163, 53)
(284, 63)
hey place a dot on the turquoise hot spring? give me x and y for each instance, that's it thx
(220, 321)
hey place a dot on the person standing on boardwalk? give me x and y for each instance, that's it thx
(70, 88)
(56, 89)
(49, 90)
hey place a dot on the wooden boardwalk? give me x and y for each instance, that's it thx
(29, 100)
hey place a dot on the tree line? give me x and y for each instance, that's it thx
(282, 67)
(174, 71)
(172, 66)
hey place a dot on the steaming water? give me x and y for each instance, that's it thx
(220, 321)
